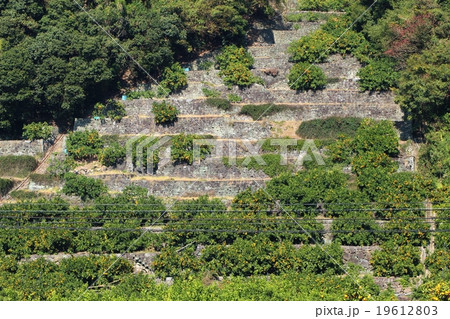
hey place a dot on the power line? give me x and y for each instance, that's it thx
(161, 230)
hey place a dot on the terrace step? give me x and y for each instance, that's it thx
(205, 125)
(182, 187)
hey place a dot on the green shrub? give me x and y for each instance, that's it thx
(17, 165)
(89, 269)
(304, 76)
(222, 104)
(210, 92)
(84, 145)
(83, 186)
(398, 261)
(257, 111)
(311, 48)
(112, 155)
(37, 130)
(398, 229)
(355, 229)
(170, 263)
(233, 54)
(240, 75)
(341, 150)
(377, 137)
(5, 186)
(174, 78)
(438, 261)
(331, 127)
(435, 288)
(434, 157)
(234, 98)
(378, 75)
(234, 64)
(182, 150)
(58, 166)
(113, 109)
(140, 94)
(164, 112)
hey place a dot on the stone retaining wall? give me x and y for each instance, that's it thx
(216, 126)
(23, 147)
(181, 188)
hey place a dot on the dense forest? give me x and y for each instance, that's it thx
(56, 61)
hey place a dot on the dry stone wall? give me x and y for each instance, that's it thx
(23, 147)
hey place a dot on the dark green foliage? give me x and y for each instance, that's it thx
(88, 269)
(85, 187)
(174, 78)
(234, 64)
(84, 145)
(37, 130)
(311, 48)
(399, 226)
(17, 165)
(304, 76)
(113, 109)
(423, 86)
(112, 155)
(438, 261)
(55, 64)
(379, 137)
(5, 186)
(378, 75)
(331, 127)
(395, 260)
(220, 103)
(164, 112)
(182, 150)
(302, 192)
(355, 229)
(258, 111)
(233, 54)
(434, 157)
(251, 257)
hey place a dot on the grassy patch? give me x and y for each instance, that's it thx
(23, 195)
(329, 128)
(17, 166)
(222, 104)
(262, 110)
(210, 92)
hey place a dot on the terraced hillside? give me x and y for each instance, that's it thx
(268, 46)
